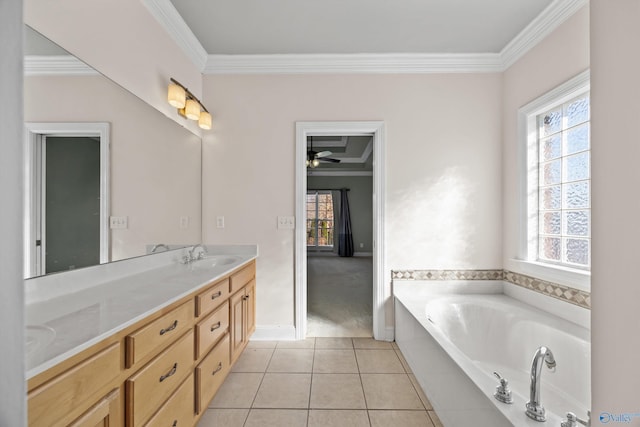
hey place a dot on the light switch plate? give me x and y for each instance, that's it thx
(118, 222)
(220, 221)
(286, 223)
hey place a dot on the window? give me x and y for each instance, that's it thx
(558, 222)
(319, 219)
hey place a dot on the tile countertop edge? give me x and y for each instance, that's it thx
(47, 364)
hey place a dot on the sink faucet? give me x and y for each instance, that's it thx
(534, 409)
(192, 251)
(158, 246)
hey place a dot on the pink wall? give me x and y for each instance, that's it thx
(123, 41)
(443, 167)
(155, 163)
(615, 32)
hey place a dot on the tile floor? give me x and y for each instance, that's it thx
(320, 382)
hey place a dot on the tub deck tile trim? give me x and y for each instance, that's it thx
(564, 293)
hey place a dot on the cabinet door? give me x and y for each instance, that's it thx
(238, 330)
(105, 413)
(250, 298)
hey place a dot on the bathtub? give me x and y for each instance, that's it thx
(455, 334)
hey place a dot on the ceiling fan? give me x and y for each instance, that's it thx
(315, 157)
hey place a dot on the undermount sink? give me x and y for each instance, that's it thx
(37, 337)
(216, 261)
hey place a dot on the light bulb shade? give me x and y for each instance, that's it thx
(192, 109)
(205, 120)
(176, 96)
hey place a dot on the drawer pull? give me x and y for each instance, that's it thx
(216, 295)
(170, 328)
(218, 369)
(216, 326)
(175, 423)
(171, 372)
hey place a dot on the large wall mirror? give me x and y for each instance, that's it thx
(108, 177)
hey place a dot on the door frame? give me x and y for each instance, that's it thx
(34, 134)
(304, 130)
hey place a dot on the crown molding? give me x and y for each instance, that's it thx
(383, 63)
(56, 65)
(169, 18)
(544, 24)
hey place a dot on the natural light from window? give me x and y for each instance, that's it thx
(319, 219)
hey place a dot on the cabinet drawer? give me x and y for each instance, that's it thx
(158, 334)
(150, 386)
(56, 399)
(210, 374)
(209, 330)
(242, 277)
(178, 411)
(212, 297)
(105, 413)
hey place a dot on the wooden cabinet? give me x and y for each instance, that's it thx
(71, 393)
(106, 413)
(161, 371)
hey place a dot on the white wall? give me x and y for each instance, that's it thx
(12, 386)
(123, 41)
(560, 56)
(443, 178)
(155, 163)
(615, 69)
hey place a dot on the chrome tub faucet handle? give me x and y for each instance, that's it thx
(502, 394)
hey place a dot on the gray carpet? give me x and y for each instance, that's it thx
(339, 296)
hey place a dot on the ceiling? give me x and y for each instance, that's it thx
(356, 26)
(354, 152)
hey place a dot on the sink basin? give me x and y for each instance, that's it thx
(216, 261)
(37, 337)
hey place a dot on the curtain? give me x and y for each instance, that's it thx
(335, 197)
(345, 238)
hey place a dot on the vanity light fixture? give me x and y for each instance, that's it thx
(188, 105)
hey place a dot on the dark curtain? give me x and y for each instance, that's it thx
(345, 239)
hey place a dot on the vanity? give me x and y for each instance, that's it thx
(148, 343)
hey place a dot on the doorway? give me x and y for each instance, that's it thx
(66, 196)
(374, 131)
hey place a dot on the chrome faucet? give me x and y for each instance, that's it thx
(200, 255)
(158, 246)
(572, 420)
(535, 410)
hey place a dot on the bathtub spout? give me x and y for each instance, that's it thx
(535, 410)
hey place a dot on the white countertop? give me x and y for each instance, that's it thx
(86, 314)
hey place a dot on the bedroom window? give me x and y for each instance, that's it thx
(319, 219)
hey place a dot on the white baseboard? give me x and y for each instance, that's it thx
(274, 333)
(390, 333)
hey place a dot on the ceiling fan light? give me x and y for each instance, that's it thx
(315, 163)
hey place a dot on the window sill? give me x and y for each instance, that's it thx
(574, 278)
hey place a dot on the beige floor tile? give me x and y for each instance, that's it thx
(291, 360)
(253, 360)
(223, 417)
(390, 391)
(338, 418)
(395, 345)
(379, 362)
(405, 365)
(308, 343)
(434, 418)
(423, 397)
(335, 362)
(333, 343)
(262, 344)
(277, 418)
(337, 391)
(284, 391)
(400, 418)
(237, 391)
(371, 344)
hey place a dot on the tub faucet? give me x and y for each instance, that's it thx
(158, 246)
(535, 410)
(192, 251)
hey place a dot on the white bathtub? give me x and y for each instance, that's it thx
(454, 335)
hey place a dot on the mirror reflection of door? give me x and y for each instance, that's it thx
(70, 202)
(66, 196)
